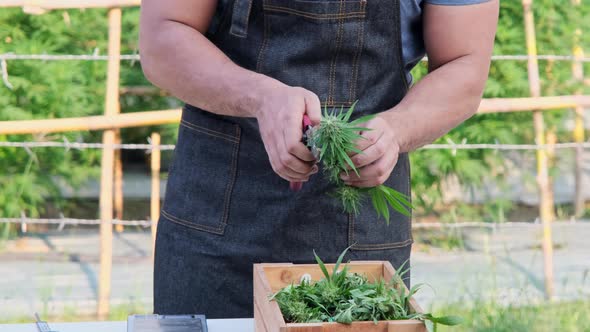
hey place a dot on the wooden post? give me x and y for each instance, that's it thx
(103, 122)
(155, 196)
(118, 183)
(551, 140)
(152, 118)
(108, 156)
(578, 75)
(545, 197)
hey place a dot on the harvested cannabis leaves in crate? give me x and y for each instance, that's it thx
(369, 296)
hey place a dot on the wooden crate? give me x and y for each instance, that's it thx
(269, 278)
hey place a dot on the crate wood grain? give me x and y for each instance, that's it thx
(270, 278)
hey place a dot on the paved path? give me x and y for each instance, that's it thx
(58, 273)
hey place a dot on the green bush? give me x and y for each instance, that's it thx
(58, 89)
(555, 23)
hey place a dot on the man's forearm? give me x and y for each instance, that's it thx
(179, 59)
(459, 41)
(440, 101)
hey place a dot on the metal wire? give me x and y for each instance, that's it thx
(76, 145)
(74, 221)
(459, 146)
(67, 57)
(147, 223)
(493, 225)
(426, 225)
(135, 57)
(541, 57)
(499, 146)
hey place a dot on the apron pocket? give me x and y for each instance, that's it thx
(368, 232)
(334, 10)
(203, 174)
(315, 45)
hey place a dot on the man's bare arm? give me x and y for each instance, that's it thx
(177, 57)
(459, 43)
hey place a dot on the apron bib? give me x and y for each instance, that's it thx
(225, 209)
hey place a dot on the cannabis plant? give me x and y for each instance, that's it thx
(335, 139)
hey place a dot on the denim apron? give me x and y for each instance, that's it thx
(225, 209)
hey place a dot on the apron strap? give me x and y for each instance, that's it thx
(240, 18)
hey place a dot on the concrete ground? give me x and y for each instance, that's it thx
(57, 273)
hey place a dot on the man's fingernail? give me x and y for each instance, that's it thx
(345, 177)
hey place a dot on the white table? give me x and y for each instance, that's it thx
(213, 325)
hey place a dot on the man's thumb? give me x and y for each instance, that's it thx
(313, 108)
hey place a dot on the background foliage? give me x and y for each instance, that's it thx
(57, 89)
(76, 88)
(555, 23)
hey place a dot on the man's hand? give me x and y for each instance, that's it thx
(280, 115)
(379, 155)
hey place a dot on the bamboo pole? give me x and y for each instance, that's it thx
(68, 4)
(155, 196)
(578, 75)
(118, 184)
(106, 190)
(546, 202)
(551, 140)
(123, 120)
(141, 90)
(151, 118)
(106, 228)
(502, 105)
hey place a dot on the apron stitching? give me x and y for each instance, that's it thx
(398, 36)
(296, 12)
(392, 245)
(207, 131)
(409, 169)
(356, 60)
(216, 230)
(339, 103)
(264, 42)
(351, 229)
(232, 179)
(331, 85)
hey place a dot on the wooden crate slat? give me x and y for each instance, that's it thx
(315, 327)
(406, 326)
(269, 310)
(282, 275)
(258, 320)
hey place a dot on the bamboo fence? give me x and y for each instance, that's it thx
(111, 172)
